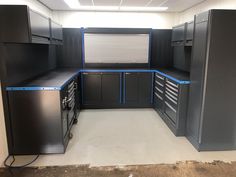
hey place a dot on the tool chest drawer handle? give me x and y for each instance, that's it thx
(173, 101)
(162, 78)
(170, 107)
(175, 85)
(159, 90)
(158, 96)
(159, 84)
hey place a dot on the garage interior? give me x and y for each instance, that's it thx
(117, 88)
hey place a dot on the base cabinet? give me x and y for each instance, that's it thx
(138, 89)
(41, 120)
(170, 101)
(116, 89)
(100, 89)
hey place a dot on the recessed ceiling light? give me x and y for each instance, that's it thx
(72, 3)
(153, 9)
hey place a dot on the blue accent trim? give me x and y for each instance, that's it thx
(120, 88)
(124, 89)
(93, 71)
(82, 88)
(83, 52)
(117, 70)
(152, 90)
(172, 78)
(31, 88)
(150, 48)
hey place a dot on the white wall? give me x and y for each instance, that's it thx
(115, 19)
(3, 139)
(204, 6)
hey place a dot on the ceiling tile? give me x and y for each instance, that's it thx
(135, 3)
(106, 2)
(86, 2)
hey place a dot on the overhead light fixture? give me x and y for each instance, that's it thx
(150, 9)
(99, 8)
(72, 3)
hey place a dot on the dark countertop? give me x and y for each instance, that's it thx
(53, 80)
(57, 79)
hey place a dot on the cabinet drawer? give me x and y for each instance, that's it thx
(171, 99)
(172, 83)
(159, 78)
(159, 96)
(159, 90)
(171, 112)
(159, 84)
(158, 102)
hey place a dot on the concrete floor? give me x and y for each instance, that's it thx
(125, 137)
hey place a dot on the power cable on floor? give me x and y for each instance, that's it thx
(20, 166)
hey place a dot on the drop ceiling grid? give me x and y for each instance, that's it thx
(173, 5)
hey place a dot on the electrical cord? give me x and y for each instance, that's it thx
(20, 166)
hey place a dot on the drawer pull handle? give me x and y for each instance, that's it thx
(175, 85)
(172, 88)
(171, 100)
(175, 98)
(172, 92)
(162, 78)
(159, 84)
(170, 107)
(159, 96)
(159, 90)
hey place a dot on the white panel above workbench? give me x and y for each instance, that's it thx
(116, 48)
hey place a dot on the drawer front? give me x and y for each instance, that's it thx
(159, 78)
(158, 102)
(171, 112)
(159, 90)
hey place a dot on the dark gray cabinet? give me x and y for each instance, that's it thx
(101, 89)
(56, 33)
(42, 113)
(117, 89)
(170, 101)
(92, 88)
(178, 35)
(182, 35)
(20, 24)
(211, 116)
(138, 89)
(189, 33)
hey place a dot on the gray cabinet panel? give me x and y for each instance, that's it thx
(197, 79)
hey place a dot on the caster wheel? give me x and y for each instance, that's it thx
(75, 121)
(70, 136)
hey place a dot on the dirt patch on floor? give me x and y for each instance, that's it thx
(182, 169)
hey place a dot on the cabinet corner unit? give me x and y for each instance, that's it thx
(20, 24)
(170, 101)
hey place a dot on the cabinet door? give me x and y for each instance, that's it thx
(178, 33)
(111, 88)
(40, 28)
(92, 88)
(189, 34)
(131, 90)
(145, 88)
(56, 31)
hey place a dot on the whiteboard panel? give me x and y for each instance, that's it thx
(116, 48)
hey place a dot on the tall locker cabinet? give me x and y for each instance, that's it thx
(211, 120)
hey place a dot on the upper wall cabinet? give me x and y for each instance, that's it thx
(19, 24)
(189, 34)
(182, 35)
(56, 33)
(178, 35)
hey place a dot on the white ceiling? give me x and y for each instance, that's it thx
(173, 5)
